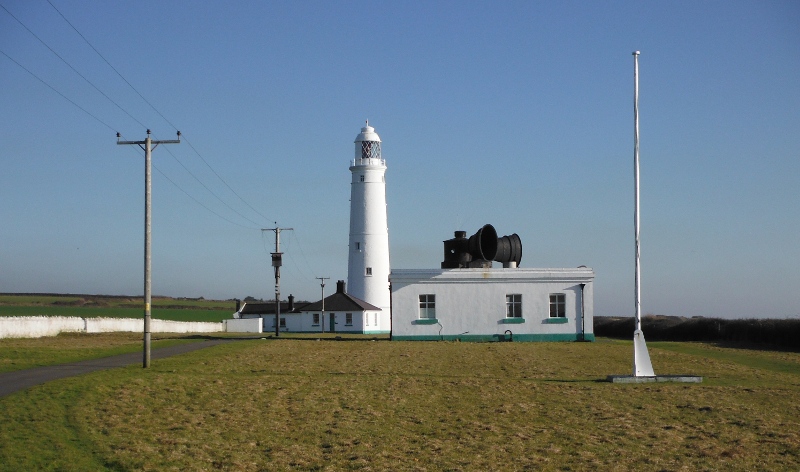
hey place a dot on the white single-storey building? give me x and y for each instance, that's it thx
(488, 304)
(343, 313)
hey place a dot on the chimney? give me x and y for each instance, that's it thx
(291, 303)
(340, 286)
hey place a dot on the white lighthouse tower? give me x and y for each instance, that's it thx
(368, 254)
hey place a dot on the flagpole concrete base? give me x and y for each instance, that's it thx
(655, 378)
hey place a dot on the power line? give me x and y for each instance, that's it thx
(209, 190)
(71, 67)
(175, 184)
(198, 201)
(109, 65)
(161, 115)
(223, 180)
(132, 117)
(56, 91)
(157, 169)
(302, 253)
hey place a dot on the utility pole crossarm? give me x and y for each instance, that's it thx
(155, 142)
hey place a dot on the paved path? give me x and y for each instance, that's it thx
(11, 382)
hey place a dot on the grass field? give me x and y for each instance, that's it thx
(25, 353)
(95, 306)
(303, 404)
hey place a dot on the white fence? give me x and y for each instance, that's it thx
(38, 326)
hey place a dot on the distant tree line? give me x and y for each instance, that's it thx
(779, 333)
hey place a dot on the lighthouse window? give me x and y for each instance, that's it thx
(369, 271)
(370, 150)
(360, 178)
(557, 305)
(358, 246)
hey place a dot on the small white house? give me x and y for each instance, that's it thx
(488, 304)
(344, 313)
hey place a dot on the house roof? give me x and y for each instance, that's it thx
(266, 308)
(340, 301)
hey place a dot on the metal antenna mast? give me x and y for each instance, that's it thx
(148, 145)
(277, 261)
(322, 313)
(641, 358)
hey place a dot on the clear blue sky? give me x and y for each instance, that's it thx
(517, 114)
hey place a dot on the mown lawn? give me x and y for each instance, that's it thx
(304, 404)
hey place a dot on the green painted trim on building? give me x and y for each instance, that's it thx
(512, 320)
(484, 338)
(555, 320)
(425, 321)
(480, 338)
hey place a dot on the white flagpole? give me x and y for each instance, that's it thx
(641, 358)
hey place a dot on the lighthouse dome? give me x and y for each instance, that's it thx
(367, 134)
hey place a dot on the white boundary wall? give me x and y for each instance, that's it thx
(243, 325)
(38, 326)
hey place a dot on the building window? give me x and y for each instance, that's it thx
(348, 319)
(427, 307)
(366, 319)
(369, 271)
(558, 305)
(375, 319)
(283, 322)
(361, 178)
(316, 319)
(514, 306)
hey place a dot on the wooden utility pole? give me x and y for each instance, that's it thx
(148, 145)
(277, 261)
